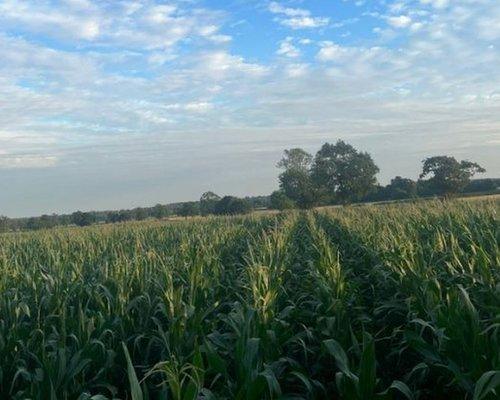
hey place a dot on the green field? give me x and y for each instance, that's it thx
(380, 302)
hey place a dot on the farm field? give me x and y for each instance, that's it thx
(370, 302)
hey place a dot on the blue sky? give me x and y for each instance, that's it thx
(116, 104)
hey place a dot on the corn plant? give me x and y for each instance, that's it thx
(375, 302)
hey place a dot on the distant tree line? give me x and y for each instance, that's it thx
(340, 174)
(209, 203)
(337, 174)
(212, 204)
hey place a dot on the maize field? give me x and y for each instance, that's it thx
(371, 302)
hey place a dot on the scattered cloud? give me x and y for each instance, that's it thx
(297, 18)
(288, 49)
(197, 106)
(297, 70)
(27, 161)
(95, 87)
(401, 21)
(438, 4)
(220, 64)
(130, 24)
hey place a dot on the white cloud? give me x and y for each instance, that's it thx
(488, 26)
(90, 30)
(288, 49)
(211, 32)
(79, 4)
(220, 38)
(129, 24)
(161, 14)
(439, 4)
(128, 83)
(220, 63)
(208, 30)
(305, 22)
(277, 8)
(330, 51)
(296, 70)
(27, 161)
(297, 18)
(401, 21)
(415, 27)
(197, 106)
(159, 58)
(70, 22)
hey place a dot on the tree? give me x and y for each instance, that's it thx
(343, 173)
(208, 201)
(189, 208)
(296, 184)
(296, 158)
(113, 217)
(295, 180)
(280, 201)
(4, 224)
(139, 214)
(230, 205)
(401, 188)
(298, 187)
(159, 211)
(482, 185)
(47, 221)
(83, 218)
(425, 189)
(448, 176)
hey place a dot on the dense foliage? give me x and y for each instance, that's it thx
(449, 176)
(205, 206)
(397, 301)
(340, 174)
(343, 173)
(230, 205)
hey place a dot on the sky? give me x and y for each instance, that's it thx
(117, 104)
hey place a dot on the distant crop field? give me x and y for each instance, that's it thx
(370, 302)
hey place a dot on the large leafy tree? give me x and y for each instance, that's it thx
(344, 173)
(208, 201)
(295, 180)
(447, 175)
(297, 159)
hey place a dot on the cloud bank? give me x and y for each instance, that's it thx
(104, 97)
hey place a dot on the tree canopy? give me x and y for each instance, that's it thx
(83, 218)
(295, 159)
(297, 185)
(338, 172)
(402, 188)
(230, 205)
(189, 208)
(344, 173)
(447, 175)
(280, 201)
(208, 201)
